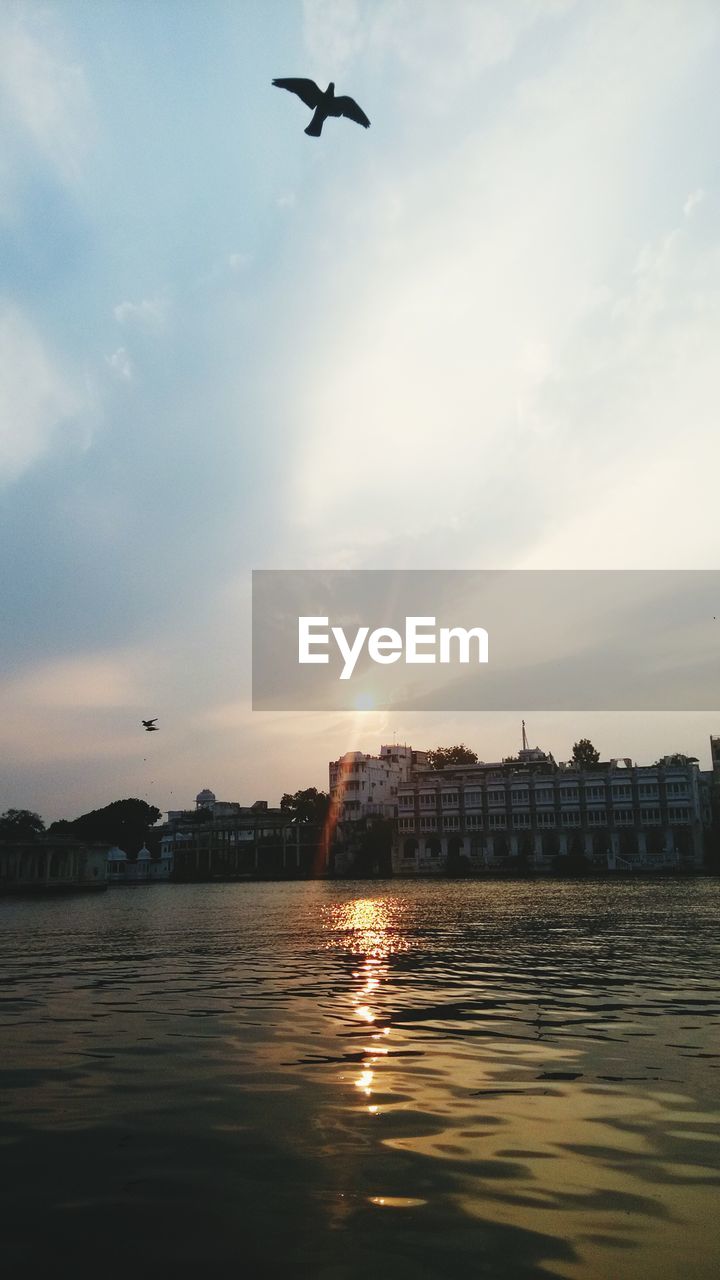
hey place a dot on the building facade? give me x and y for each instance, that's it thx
(52, 864)
(366, 786)
(529, 811)
(229, 841)
(144, 869)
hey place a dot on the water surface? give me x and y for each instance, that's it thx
(335, 1080)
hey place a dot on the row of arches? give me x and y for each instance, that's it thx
(595, 846)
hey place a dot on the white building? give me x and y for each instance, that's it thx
(143, 870)
(530, 811)
(365, 786)
(206, 800)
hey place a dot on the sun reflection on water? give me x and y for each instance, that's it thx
(371, 929)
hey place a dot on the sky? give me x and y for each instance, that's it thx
(480, 334)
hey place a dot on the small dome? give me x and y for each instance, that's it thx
(144, 855)
(117, 855)
(205, 798)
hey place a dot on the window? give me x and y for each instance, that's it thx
(451, 822)
(569, 794)
(648, 790)
(679, 817)
(651, 817)
(520, 797)
(473, 821)
(521, 820)
(677, 788)
(544, 795)
(428, 800)
(597, 818)
(406, 824)
(428, 824)
(594, 791)
(473, 799)
(546, 819)
(571, 818)
(621, 791)
(449, 799)
(496, 797)
(406, 802)
(498, 821)
(623, 817)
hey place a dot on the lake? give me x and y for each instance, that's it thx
(341, 1079)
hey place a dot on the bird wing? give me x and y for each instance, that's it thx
(349, 108)
(305, 89)
(147, 722)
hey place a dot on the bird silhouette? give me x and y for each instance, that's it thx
(150, 726)
(323, 104)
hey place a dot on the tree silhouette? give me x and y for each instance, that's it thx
(20, 824)
(308, 805)
(125, 823)
(441, 757)
(584, 754)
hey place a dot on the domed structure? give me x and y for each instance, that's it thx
(205, 799)
(116, 864)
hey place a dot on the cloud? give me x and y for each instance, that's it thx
(333, 30)
(83, 682)
(239, 261)
(287, 200)
(694, 199)
(44, 100)
(36, 398)
(514, 354)
(443, 46)
(641, 378)
(71, 709)
(121, 364)
(149, 314)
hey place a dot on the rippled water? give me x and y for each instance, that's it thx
(338, 1080)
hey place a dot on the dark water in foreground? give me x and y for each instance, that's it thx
(389, 1079)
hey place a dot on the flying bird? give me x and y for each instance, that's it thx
(150, 726)
(323, 104)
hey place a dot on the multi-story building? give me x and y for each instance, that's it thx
(528, 810)
(366, 786)
(224, 840)
(715, 759)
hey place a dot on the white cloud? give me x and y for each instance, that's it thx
(44, 101)
(239, 261)
(444, 44)
(86, 706)
(287, 200)
(694, 199)
(503, 366)
(121, 364)
(36, 397)
(333, 30)
(641, 383)
(85, 681)
(149, 314)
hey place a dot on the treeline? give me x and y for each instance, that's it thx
(127, 823)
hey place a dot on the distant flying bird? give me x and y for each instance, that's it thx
(323, 104)
(150, 726)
